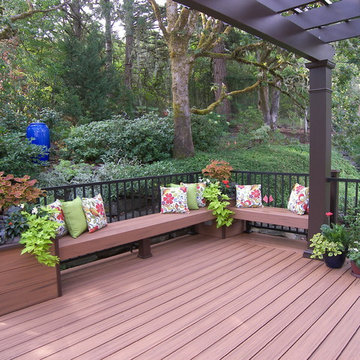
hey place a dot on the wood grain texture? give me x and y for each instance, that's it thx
(197, 297)
(272, 215)
(127, 231)
(23, 281)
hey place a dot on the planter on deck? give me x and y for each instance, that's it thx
(24, 281)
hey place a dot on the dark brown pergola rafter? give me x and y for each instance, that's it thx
(290, 24)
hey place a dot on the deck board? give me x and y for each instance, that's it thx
(197, 297)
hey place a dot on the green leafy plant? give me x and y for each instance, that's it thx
(37, 240)
(14, 191)
(321, 245)
(354, 253)
(332, 240)
(218, 202)
(14, 224)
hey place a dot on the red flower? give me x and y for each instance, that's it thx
(329, 213)
(225, 182)
(100, 208)
(227, 186)
(168, 199)
(10, 223)
(255, 194)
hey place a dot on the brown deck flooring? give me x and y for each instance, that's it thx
(198, 297)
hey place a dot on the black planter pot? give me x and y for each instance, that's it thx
(335, 262)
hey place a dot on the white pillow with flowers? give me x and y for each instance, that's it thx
(94, 212)
(299, 199)
(248, 196)
(58, 216)
(174, 199)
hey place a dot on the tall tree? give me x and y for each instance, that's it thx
(178, 30)
(106, 8)
(219, 75)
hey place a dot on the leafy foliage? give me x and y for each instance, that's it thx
(148, 138)
(15, 224)
(14, 191)
(17, 155)
(207, 130)
(218, 169)
(37, 240)
(218, 202)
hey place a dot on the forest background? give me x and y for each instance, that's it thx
(138, 87)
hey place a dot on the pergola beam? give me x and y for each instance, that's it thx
(345, 30)
(257, 19)
(325, 15)
(284, 5)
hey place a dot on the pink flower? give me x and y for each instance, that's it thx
(329, 213)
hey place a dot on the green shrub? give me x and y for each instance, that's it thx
(206, 130)
(148, 138)
(17, 155)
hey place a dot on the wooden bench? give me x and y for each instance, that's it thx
(271, 215)
(127, 231)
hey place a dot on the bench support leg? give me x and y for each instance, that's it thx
(144, 249)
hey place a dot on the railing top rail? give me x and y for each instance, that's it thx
(269, 173)
(343, 180)
(109, 182)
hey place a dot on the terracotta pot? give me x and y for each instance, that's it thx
(355, 270)
(335, 262)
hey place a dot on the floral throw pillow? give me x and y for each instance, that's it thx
(200, 188)
(248, 196)
(174, 200)
(58, 216)
(299, 199)
(94, 212)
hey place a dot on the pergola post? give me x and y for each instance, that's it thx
(320, 143)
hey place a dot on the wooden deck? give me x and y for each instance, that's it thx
(198, 297)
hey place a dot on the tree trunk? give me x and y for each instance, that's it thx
(264, 103)
(180, 72)
(275, 105)
(219, 75)
(108, 29)
(269, 103)
(77, 25)
(129, 40)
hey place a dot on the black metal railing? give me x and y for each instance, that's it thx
(123, 199)
(345, 195)
(129, 198)
(277, 186)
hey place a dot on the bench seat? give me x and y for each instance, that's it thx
(271, 215)
(128, 231)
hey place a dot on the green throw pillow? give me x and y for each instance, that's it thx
(191, 195)
(75, 219)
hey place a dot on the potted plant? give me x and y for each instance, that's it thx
(352, 222)
(217, 191)
(354, 256)
(331, 244)
(24, 281)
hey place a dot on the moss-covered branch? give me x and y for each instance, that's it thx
(223, 95)
(7, 32)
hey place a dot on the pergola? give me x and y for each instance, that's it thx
(305, 30)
